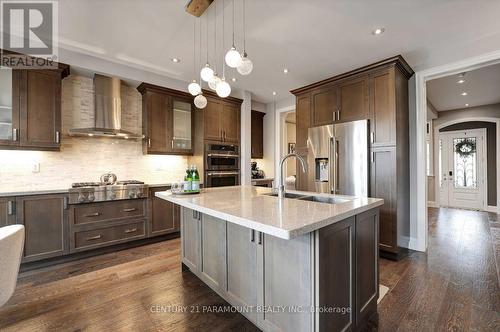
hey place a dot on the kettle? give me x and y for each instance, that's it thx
(108, 178)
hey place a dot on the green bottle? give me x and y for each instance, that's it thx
(188, 180)
(196, 179)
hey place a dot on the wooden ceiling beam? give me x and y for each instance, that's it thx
(198, 7)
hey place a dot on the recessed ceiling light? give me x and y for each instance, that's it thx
(464, 93)
(461, 81)
(285, 71)
(378, 31)
(176, 60)
(233, 79)
(466, 105)
(274, 93)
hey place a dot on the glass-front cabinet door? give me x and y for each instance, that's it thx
(182, 125)
(9, 118)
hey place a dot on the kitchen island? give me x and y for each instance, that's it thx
(308, 262)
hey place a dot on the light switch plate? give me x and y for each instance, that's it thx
(36, 168)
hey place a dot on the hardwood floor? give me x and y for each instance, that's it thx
(455, 287)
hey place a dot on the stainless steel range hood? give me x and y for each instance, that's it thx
(108, 111)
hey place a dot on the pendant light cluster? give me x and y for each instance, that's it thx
(232, 59)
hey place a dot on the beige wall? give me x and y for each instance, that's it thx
(85, 159)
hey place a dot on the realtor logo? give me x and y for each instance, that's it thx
(30, 28)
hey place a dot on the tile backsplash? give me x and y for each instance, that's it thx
(85, 159)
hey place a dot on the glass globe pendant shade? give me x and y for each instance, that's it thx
(233, 58)
(246, 65)
(200, 101)
(223, 89)
(214, 82)
(206, 73)
(194, 88)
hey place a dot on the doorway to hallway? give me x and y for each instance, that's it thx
(462, 169)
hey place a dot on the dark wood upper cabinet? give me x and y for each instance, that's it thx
(164, 217)
(222, 119)
(212, 120)
(303, 116)
(30, 108)
(257, 135)
(353, 100)
(167, 120)
(323, 106)
(45, 219)
(40, 105)
(383, 106)
(231, 122)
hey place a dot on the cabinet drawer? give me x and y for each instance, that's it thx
(107, 236)
(96, 212)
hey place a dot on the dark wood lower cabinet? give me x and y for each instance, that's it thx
(53, 228)
(45, 220)
(336, 255)
(7, 211)
(383, 185)
(164, 217)
(367, 276)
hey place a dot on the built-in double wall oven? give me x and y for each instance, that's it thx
(222, 163)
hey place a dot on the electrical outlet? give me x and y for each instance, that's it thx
(36, 168)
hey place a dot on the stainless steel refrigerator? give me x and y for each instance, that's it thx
(337, 158)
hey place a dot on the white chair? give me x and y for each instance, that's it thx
(11, 252)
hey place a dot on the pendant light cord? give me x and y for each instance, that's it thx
(233, 22)
(194, 48)
(244, 28)
(206, 27)
(215, 37)
(223, 15)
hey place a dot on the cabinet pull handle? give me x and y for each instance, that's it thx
(65, 202)
(15, 135)
(373, 157)
(149, 142)
(129, 210)
(260, 238)
(10, 208)
(221, 135)
(372, 137)
(58, 137)
(225, 135)
(95, 214)
(97, 237)
(172, 144)
(131, 230)
(252, 235)
(338, 115)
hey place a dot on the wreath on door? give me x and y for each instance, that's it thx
(466, 147)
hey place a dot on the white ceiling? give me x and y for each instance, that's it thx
(313, 39)
(481, 85)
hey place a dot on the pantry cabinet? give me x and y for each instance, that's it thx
(379, 93)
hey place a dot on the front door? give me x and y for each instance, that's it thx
(461, 157)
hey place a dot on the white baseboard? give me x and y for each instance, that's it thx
(493, 209)
(432, 204)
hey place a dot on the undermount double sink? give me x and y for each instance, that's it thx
(312, 198)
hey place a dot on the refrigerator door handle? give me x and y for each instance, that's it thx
(331, 160)
(337, 165)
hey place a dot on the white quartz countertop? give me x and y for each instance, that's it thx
(287, 218)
